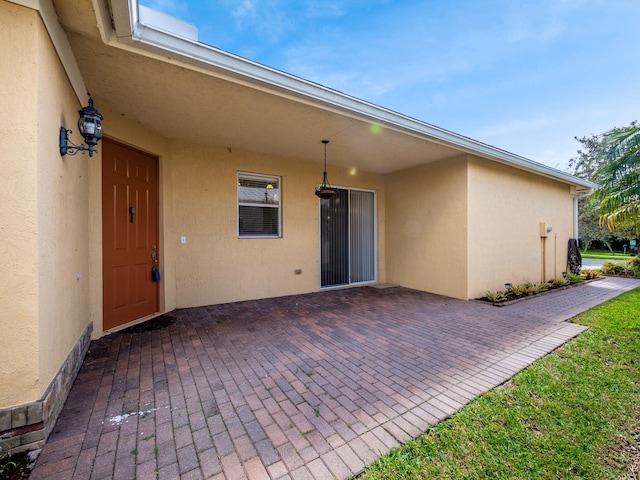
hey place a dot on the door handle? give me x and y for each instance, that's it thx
(132, 212)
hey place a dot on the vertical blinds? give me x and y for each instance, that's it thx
(334, 237)
(348, 238)
(361, 236)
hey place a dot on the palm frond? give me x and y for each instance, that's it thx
(626, 215)
(618, 197)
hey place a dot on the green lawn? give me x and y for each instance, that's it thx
(605, 255)
(572, 414)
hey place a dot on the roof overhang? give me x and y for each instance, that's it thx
(151, 68)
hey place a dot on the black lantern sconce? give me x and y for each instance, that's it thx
(325, 191)
(89, 126)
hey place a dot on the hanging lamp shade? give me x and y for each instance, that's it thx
(325, 191)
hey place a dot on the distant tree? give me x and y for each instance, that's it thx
(590, 228)
(592, 157)
(618, 196)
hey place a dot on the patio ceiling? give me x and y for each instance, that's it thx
(188, 91)
(186, 104)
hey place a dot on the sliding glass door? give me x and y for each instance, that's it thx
(347, 235)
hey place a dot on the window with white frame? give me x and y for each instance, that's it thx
(259, 205)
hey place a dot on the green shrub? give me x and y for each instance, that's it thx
(517, 290)
(574, 278)
(559, 282)
(616, 268)
(495, 296)
(542, 286)
(632, 272)
(633, 267)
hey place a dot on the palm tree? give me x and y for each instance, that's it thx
(618, 196)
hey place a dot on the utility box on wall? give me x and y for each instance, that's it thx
(543, 229)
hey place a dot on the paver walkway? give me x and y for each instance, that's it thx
(305, 387)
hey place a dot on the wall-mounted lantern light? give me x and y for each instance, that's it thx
(90, 127)
(325, 191)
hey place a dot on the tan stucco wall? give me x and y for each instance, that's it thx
(63, 229)
(464, 226)
(198, 200)
(19, 376)
(215, 266)
(43, 215)
(426, 233)
(506, 207)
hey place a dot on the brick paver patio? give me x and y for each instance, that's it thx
(305, 387)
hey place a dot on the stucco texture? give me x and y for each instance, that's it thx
(215, 265)
(198, 200)
(427, 227)
(18, 212)
(464, 226)
(506, 207)
(43, 286)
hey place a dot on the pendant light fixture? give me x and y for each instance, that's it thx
(325, 191)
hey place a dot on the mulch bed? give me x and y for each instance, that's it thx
(17, 466)
(521, 298)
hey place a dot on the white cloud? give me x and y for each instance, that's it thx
(246, 9)
(319, 9)
(170, 7)
(265, 22)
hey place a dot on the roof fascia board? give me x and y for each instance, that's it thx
(60, 43)
(163, 41)
(125, 18)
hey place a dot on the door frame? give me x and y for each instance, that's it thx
(98, 166)
(375, 241)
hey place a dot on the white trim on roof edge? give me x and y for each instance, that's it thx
(131, 30)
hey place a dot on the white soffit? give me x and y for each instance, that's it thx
(156, 32)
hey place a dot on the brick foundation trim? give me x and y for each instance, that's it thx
(27, 426)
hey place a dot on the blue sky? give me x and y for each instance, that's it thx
(526, 76)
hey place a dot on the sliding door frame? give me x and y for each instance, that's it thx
(350, 246)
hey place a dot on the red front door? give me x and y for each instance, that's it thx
(130, 233)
